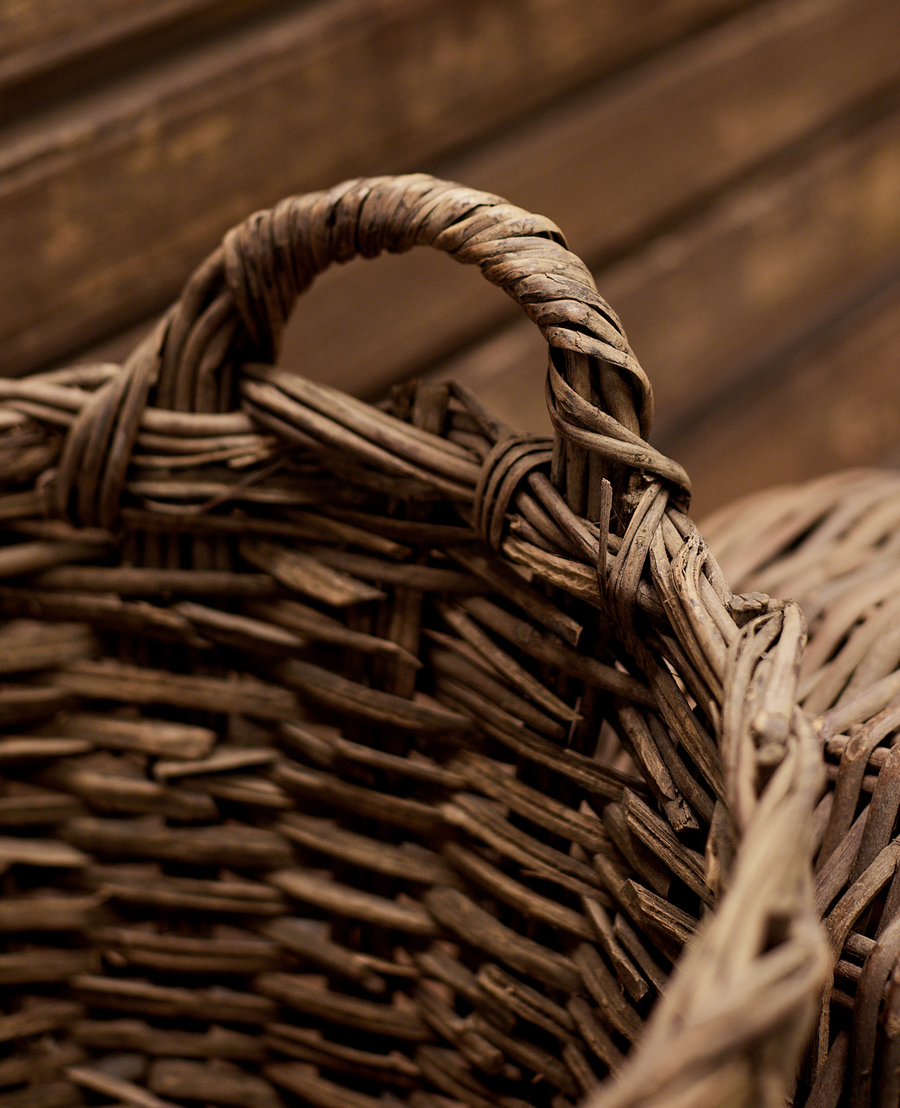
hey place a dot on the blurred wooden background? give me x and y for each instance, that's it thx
(729, 170)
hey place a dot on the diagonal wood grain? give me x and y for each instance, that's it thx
(108, 200)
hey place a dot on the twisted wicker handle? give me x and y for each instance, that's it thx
(253, 281)
(234, 307)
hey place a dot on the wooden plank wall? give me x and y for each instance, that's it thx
(730, 171)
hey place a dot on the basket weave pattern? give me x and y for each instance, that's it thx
(364, 756)
(834, 544)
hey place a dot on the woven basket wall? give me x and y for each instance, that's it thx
(374, 756)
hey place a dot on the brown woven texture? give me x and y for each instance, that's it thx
(365, 756)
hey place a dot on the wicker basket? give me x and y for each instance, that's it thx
(365, 756)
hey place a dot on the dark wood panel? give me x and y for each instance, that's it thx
(832, 404)
(107, 203)
(769, 262)
(28, 24)
(51, 48)
(611, 167)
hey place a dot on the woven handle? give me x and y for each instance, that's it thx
(252, 282)
(239, 300)
(234, 307)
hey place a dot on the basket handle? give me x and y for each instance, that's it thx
(241, 297)
(234, 307)
(252, 281)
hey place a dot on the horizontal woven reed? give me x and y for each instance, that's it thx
(362, 756)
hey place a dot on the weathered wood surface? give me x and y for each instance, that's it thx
(786, 425)
(291, 104)
(47, 49)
